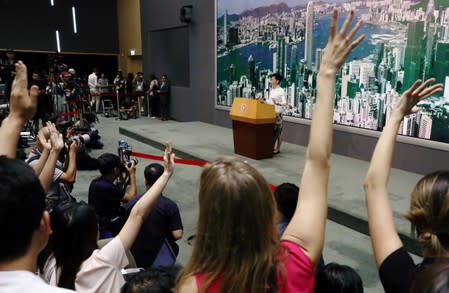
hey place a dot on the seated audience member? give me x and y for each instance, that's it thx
(428, 205)
(26, 224)
(155, 280)
(128, 109)
(163, 225)
(59, 188)
(335, 278)
(106, 197)
(236, 248)
(286, 196)
(75, 262)
(23, 219)
(433, 278)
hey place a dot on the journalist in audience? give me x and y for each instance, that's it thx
(236, 248)
(161, 229)
(74, 261)
(43, 158)
(23, 218)
(155, 280)
(428, 211)
(335, 278)
(106, 197)
(433, 278)
(286, 196)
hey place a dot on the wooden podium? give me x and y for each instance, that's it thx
(253, 128)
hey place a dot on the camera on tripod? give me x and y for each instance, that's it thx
(124, 152)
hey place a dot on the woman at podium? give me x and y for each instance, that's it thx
(277, 98)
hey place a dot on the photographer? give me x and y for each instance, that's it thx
(88, 138)
(106, 197)
(86, 125)
(64, 174)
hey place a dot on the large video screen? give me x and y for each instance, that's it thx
(405, 41)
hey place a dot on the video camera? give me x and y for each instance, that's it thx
(91, 134)
(124, 152)
(84, 135)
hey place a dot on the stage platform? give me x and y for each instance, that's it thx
(202, 141)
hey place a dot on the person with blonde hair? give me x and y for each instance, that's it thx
(236, 248)
(429, 207)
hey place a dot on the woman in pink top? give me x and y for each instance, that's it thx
(72, 259)
(236, 247)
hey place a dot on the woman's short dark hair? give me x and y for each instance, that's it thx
(335, 278)
(277, 76)
(74, 238)
(22, 203)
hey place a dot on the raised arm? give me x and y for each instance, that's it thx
(46, 148)
(22, 107)
(384, 237)
(144, 205)
(307, 226)
(132, 191)
(57, 143)
(69, 175)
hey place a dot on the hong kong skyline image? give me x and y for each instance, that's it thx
(404, 41)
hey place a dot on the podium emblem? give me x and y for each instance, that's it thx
(243, 107)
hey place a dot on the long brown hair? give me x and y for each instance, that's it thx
(236, 239)
(429, 213)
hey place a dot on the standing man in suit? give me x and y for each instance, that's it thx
(164, 97)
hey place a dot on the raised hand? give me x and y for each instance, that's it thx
(57, 141)
(416, 93)
(131, 168)
(169, 158)
(74, 146)
(46, 144)
(340, 44)
(22, 102)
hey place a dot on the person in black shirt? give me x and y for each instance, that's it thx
(44, 103)
(163, 225)
(128, 109)
(106, 197)
(396, 268)
(164, 97)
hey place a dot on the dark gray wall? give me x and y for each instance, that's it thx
(31, 25)
(193, 102)
(196, 103)
(169, 52)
